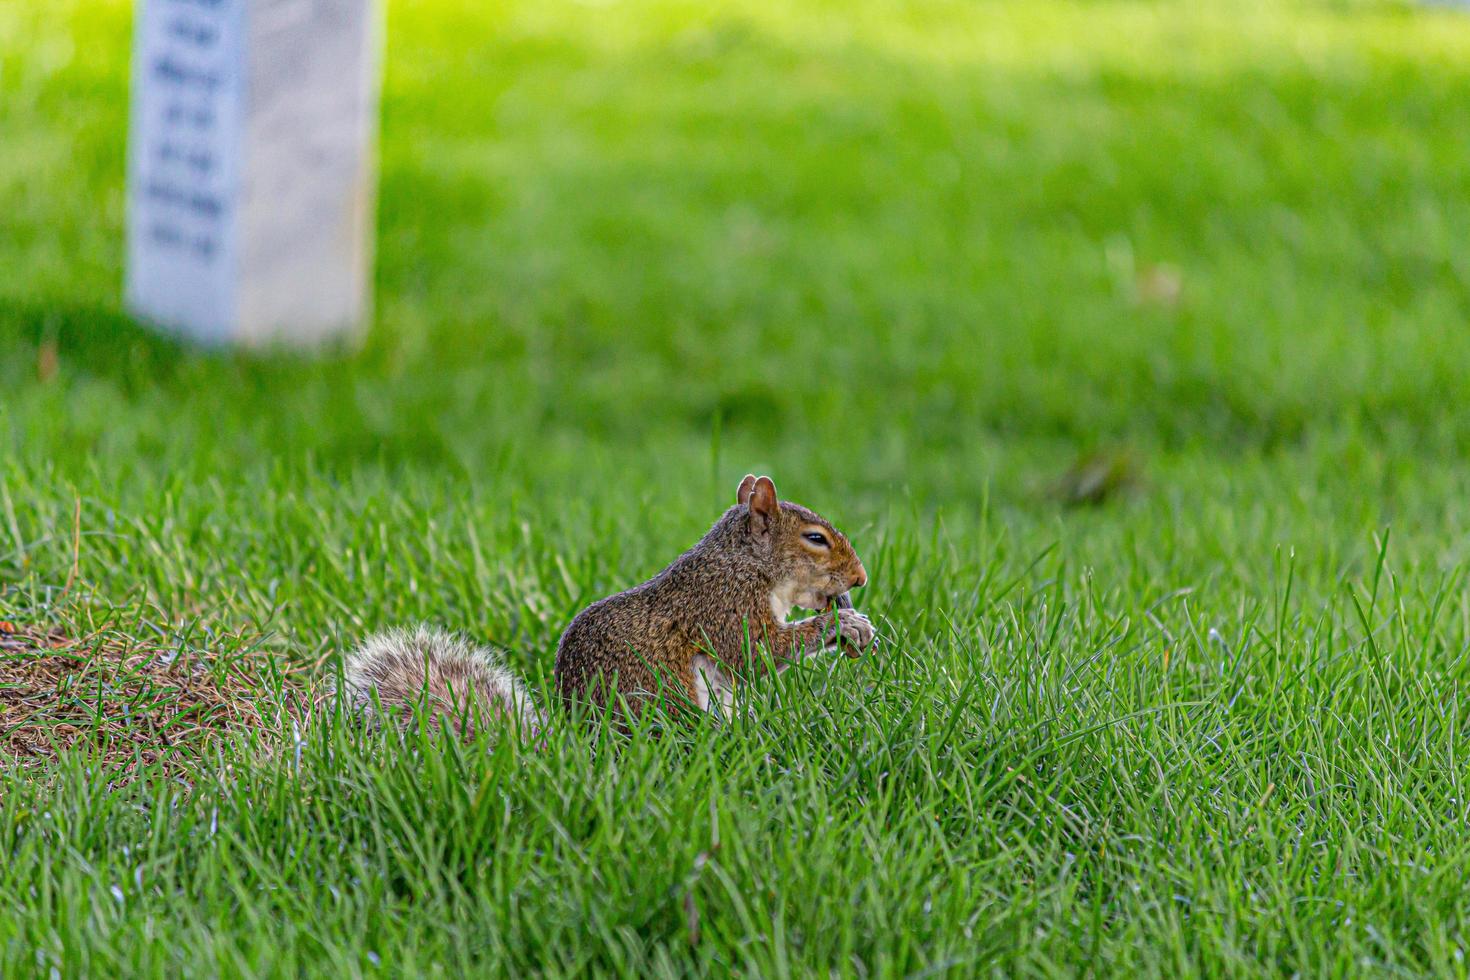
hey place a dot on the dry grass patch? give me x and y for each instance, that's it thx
(131, 702)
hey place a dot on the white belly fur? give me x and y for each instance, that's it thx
(783, 597)
(714, 690)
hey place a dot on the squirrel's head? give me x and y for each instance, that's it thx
(812, 561)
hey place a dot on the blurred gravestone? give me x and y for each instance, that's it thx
(251, 177)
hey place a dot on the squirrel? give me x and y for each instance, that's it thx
(713, 618)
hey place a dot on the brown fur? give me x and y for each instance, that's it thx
(714, 599)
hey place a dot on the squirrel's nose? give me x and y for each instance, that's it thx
(860, 577)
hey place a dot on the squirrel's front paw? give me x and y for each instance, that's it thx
(854, 632)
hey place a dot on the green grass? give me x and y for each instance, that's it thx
(906, 258)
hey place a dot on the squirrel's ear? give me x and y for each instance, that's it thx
(747, 485)
(763, 503)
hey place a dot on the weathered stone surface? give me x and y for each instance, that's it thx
(252, 172)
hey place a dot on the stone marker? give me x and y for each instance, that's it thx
(251, 167)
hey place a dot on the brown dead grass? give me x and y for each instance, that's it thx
(129, 703)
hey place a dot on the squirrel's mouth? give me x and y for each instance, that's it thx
(827, 598)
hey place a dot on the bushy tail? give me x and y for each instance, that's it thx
(468, 685)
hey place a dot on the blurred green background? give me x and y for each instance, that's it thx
(936, 231)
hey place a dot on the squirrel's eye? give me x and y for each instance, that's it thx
(816, 538)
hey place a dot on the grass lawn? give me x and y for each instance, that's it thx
(914, 260)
